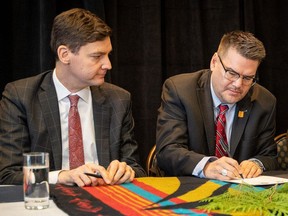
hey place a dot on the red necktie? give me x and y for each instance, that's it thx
(76, 152)
(221, 138)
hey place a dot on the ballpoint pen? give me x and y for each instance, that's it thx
(96, 175)
(225, 147)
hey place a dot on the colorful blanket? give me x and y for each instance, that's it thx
(145, 196)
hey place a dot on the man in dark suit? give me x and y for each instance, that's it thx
(34, 111)
(186, 143)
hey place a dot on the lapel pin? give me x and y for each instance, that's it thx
(241, 113)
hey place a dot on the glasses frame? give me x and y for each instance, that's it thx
(237, 75)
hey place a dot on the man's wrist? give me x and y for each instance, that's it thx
(61, 177)
(258, 163)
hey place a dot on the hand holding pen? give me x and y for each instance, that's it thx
(224, 172)
(96, 175)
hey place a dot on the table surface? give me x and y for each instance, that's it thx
(156, 192)
(12, 204)
(17, 209)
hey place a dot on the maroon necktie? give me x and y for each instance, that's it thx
(221, 139)
(76, 152)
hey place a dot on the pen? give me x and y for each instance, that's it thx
(225, 147)
(96, 175)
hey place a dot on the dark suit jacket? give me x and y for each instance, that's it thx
(30, 121)
(186, 131)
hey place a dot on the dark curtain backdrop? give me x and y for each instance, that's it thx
(152, 40)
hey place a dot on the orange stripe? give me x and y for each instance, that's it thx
(125, 199)
(107, 196)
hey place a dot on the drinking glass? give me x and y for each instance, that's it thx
(35, 180)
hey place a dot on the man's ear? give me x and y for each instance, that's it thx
(63, 54)
(213, 61)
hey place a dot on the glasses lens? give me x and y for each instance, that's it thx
(231, 75)
(248, 80)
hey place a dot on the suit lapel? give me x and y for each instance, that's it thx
(241, 117)
(102, 118)
(206, 107)
(49, 104)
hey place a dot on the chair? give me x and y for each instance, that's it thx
(282, 149)
(152, 168)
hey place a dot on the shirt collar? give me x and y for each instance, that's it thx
(63, 92)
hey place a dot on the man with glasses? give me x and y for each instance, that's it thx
(241, 143)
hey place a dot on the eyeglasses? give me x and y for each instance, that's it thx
(234, 76)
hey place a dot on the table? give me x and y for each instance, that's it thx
(12, 203)
(18, 209)
(145, 196)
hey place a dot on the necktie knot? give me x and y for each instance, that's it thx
(73, 100)
(223, 108)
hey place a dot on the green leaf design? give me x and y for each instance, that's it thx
(249, 199)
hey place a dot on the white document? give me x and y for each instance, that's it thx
(260, 180)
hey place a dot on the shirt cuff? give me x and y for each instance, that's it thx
(53, 176)
(198, 171)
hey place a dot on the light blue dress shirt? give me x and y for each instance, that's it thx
(198, 171)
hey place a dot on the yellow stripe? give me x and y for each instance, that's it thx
(160, 183)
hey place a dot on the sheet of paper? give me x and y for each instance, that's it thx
(261, 180)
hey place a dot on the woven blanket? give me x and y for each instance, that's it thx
(144, 196)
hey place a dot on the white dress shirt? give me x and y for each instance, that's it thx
(87, 124)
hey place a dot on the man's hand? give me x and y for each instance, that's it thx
(116, 173)
(250, 169)
(120, 172)
(224, 168)
(77, 176)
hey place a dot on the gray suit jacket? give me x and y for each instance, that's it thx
(186, 131)
(30, 121)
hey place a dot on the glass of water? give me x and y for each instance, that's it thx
(35, 180)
